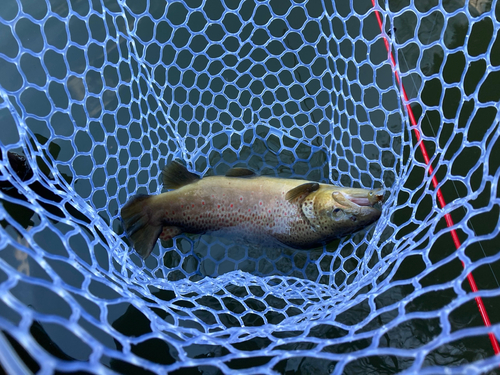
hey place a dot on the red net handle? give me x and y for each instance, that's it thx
(442, 203)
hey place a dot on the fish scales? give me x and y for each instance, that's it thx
(295, 213)
(238, 206)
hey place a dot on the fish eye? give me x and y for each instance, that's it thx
(337, 211)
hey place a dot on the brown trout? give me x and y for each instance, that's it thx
(295, 213)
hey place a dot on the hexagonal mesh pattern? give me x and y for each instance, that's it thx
(96, 97)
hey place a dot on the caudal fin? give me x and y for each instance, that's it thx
(139, 225)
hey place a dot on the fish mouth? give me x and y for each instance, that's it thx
(369, 199)
(359, 201)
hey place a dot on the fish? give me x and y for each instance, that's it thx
(292, 213)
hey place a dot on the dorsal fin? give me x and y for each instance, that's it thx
(240, 172)
(176, 175)
(304, 189)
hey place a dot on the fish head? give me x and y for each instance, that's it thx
(336, 212)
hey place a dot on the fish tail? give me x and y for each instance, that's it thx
(139, 224)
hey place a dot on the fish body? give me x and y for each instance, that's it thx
(295, 213)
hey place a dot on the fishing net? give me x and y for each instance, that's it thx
(96, 97)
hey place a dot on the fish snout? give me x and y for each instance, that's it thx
(356, 208)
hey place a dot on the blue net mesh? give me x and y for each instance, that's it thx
(97, 96)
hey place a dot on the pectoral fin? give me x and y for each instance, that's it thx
(304, 189)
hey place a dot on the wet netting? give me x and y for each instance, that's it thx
(97, 96)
